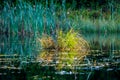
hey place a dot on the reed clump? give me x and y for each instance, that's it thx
(70, 46)
(65, 41)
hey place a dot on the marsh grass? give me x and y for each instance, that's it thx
(25, 18)
(65, 41)
(70, 41)
(99, 25)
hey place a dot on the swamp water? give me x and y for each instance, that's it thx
(19, 60)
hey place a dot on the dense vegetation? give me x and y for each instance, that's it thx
(38, 17)
(26, 15)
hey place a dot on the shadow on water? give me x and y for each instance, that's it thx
(12, 74)
(19, 60)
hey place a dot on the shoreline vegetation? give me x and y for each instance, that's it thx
(27, 19)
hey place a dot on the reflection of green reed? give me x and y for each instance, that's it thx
(61, 60)
(23, 45)
(103, 41)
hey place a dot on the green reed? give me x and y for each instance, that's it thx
(39, 18)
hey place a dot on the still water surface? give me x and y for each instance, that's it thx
(104, 59)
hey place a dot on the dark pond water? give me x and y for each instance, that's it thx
(18, 59)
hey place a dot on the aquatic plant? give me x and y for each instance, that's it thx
(25, 18)
(65, 41)
(70, 47)
(70, 41)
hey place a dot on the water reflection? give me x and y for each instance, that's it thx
(54, 65)
(104, 58)
(61, 60)
(103, 41)
(27, 45)
(18, 44)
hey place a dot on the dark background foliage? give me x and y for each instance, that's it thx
(75, 4)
